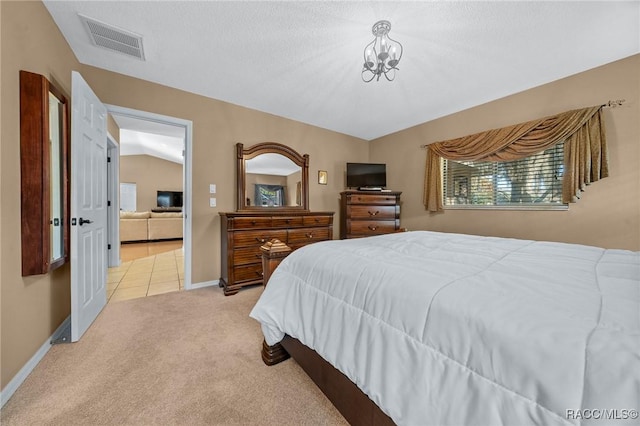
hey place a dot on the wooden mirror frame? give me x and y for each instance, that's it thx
(273, 148)
(36, 174)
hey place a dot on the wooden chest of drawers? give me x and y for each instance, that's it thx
(242, 234)
(364, 213)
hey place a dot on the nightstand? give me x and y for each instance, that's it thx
(272, 254)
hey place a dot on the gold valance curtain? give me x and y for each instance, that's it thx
(585, 150)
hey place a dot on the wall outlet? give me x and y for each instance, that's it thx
(212, 202)
(212, 188)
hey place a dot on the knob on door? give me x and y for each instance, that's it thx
(83, 221)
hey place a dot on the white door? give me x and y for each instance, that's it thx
(88, 206)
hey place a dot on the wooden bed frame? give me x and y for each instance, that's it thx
(356, 407)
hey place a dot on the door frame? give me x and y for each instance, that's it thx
(113, 195)
(186, 174)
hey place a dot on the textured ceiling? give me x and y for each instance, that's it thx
(302, 60)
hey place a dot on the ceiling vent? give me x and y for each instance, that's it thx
(113, 38)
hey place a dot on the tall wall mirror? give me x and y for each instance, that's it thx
(44, 165)
(272, 176)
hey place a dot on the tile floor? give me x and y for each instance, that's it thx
(146, 276)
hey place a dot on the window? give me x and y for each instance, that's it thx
(534, 182)
(269, 195)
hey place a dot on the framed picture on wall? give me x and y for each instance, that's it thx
(322, 177)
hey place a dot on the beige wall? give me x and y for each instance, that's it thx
(150, 174)
(608, 215)
(32, 308)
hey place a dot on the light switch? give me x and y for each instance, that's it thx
(212, 202)
(212, 188)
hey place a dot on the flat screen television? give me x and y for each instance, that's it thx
(169, 198)
(366, 175)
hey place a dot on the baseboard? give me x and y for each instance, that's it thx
(24, 372)
(205, 284)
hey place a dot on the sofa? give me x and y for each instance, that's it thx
(150, 226)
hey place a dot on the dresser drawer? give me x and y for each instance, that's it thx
(371, 212)
(247, 238)
(371, 199)
(243, 233)
(307, 236)
(317, 220)
(251, 272)
(372, 227)
(287, 222)
(247, 255)
(250, 222)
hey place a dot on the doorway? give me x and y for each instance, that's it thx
(169, 252)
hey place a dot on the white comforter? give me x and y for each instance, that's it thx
(464, 330)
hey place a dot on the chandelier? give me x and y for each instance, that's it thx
(382, 55)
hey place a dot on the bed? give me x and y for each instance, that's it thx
(439, 328)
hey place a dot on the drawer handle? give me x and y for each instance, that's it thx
(317, 220)
(373, 228)
(261, 240)
(259, 256)
(373, 213)
(309, 235)
(259, 273)
(253, 222)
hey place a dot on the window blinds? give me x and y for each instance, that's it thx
(532, 181)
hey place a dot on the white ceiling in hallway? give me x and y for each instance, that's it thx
(302, 60)
(145, 137)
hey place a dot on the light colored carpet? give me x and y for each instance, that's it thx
(190, 357)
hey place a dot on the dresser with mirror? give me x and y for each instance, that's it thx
(272, 203)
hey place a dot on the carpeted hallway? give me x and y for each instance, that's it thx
(190, 357)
